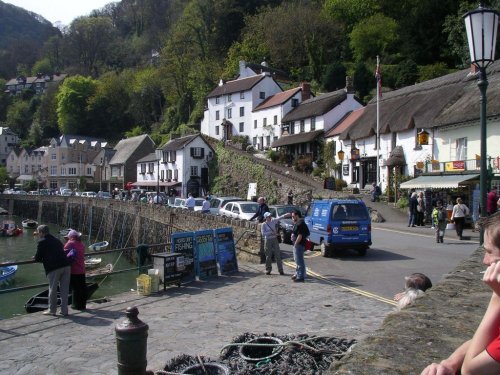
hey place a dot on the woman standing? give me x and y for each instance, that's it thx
(440, 219)
(420, 209)
(460, 211)
(77, 280)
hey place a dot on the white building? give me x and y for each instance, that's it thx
(8, 140)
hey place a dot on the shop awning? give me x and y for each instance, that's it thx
(438, 182)
(25, 177)
(154, 183)
(294, 139)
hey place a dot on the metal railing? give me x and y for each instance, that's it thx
(454, 166)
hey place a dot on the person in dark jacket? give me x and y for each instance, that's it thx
(412, 210)
(51, 253)
(263, 208)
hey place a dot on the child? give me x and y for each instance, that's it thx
(440, 219)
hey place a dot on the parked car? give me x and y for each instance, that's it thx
(216, 203)
(104, 195)
(179, 203)
(339, 223)
(88, 194)
(243, 210)
(198, 203)
(285, 225)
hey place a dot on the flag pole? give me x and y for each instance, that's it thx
(378, 127)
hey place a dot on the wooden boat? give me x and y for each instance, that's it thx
(29, 223)
(92, 262)
(10, 229)
(99, 246)
(64, 232)
(103, 271)
(7, 273)
(40, 301)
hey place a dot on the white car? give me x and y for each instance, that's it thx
(239, 210)
(216, 203)
(88, 194)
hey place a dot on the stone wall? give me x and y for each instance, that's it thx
(126, 224)
(428, 331)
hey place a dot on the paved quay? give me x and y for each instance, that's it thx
(198, 318)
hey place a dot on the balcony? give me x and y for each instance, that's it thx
(455, 166)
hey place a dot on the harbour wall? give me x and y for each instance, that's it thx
(127, 224)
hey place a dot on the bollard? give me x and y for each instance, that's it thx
(132, 344)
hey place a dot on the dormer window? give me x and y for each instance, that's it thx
(229, 98)
(295, 102)
(262, 95)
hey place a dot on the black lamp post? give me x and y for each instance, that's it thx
(481, 26)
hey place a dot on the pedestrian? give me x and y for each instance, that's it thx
(481, 354)
(77, 279)
(375, 192)
(460, 212)
(300, 232)
(440, 218)
(205, 207)
(498, 205)
(412, 209)
(269, 230)
(419, 214)
(263, 208)
(51, 253)
(491, 202)
(415, 285)
(190, 202)
(290, 196)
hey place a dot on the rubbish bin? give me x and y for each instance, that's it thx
(155, 280)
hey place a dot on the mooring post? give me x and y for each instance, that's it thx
(132, 344)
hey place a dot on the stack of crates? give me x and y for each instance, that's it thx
(144, 285)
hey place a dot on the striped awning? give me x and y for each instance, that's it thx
(439, 182)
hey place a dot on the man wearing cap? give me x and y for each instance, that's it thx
(263, 208)
(271, 245)
(50, 252)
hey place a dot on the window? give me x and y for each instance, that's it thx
(72, 171)
(89, 171)
(197, 152)
(217, 99)
(264, 121)
(254, 141)
(242, 94)
(229, 98)
(151, 168)
(162, 175)
(63, 171)
(262, 95)
(292, 127)
(242, 127)
(268, 140)
(394, 139)
(217, 115)
(115, 170)
(417, 145)
(313, 123)
(143, 168)
(461, 149)
(242, 111)
(275, 122)
(194, 171)
(169, 174)
(26, 169)
(53, 170)
(217, 130)
(176, 174)
(302, 126)
(255, 124)
(295, 102)
(229, 113)
(53, 157)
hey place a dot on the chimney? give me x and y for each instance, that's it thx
(349, 88)
(306, 90)
(221, 82)
(243, 66)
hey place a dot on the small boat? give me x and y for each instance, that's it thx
(64, 232)
(28, 223)
(92, 262)
(103, 271)
(7, 273)
(40, 301)
(99, 246)
(10, 229)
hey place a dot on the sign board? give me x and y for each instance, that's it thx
(205, 262)
(226, 251)
(183, 243)
(458, 165)
(252, 190)
(345, 170)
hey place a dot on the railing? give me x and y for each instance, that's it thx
(152, 249)
(470, 165)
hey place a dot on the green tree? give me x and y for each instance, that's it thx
(428, 72)
(19, 118)
(407, 73)
(363, 80)
(4, 177)
(350, 12)
(72, 101)
(46, 114)
(42, 66)
(373, 36)
(334, 77)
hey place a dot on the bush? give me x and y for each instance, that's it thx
(250, 148)
(402, 202)
(318, 172)
(340, 184)
(303, 164)
(272, 155)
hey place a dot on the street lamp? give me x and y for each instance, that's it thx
(158, 158)
(481, 26)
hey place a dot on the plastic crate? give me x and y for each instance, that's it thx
(144, 285)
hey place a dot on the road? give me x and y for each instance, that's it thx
(393, 255)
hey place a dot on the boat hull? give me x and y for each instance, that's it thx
(7, 273)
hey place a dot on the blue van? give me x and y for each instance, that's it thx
(339, 223)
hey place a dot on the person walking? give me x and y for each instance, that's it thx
(51, 253)
(263, 208)
(412, 209)
(300, 232)
(460, 211)
(290, 196)
(440, 219)
(491, 202)
(77, 280)
(269, 231)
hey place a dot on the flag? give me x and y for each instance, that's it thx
(378, 77)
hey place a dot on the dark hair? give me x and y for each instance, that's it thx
(491, 224)
(297, 213)
(418, 280)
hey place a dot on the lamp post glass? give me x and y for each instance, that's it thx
(158, 153)
(481, 26)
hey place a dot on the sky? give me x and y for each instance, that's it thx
(63, 11)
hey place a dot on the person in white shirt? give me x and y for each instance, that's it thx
(460, 211)
(269, 230)
(190, 202)
(205, 208)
